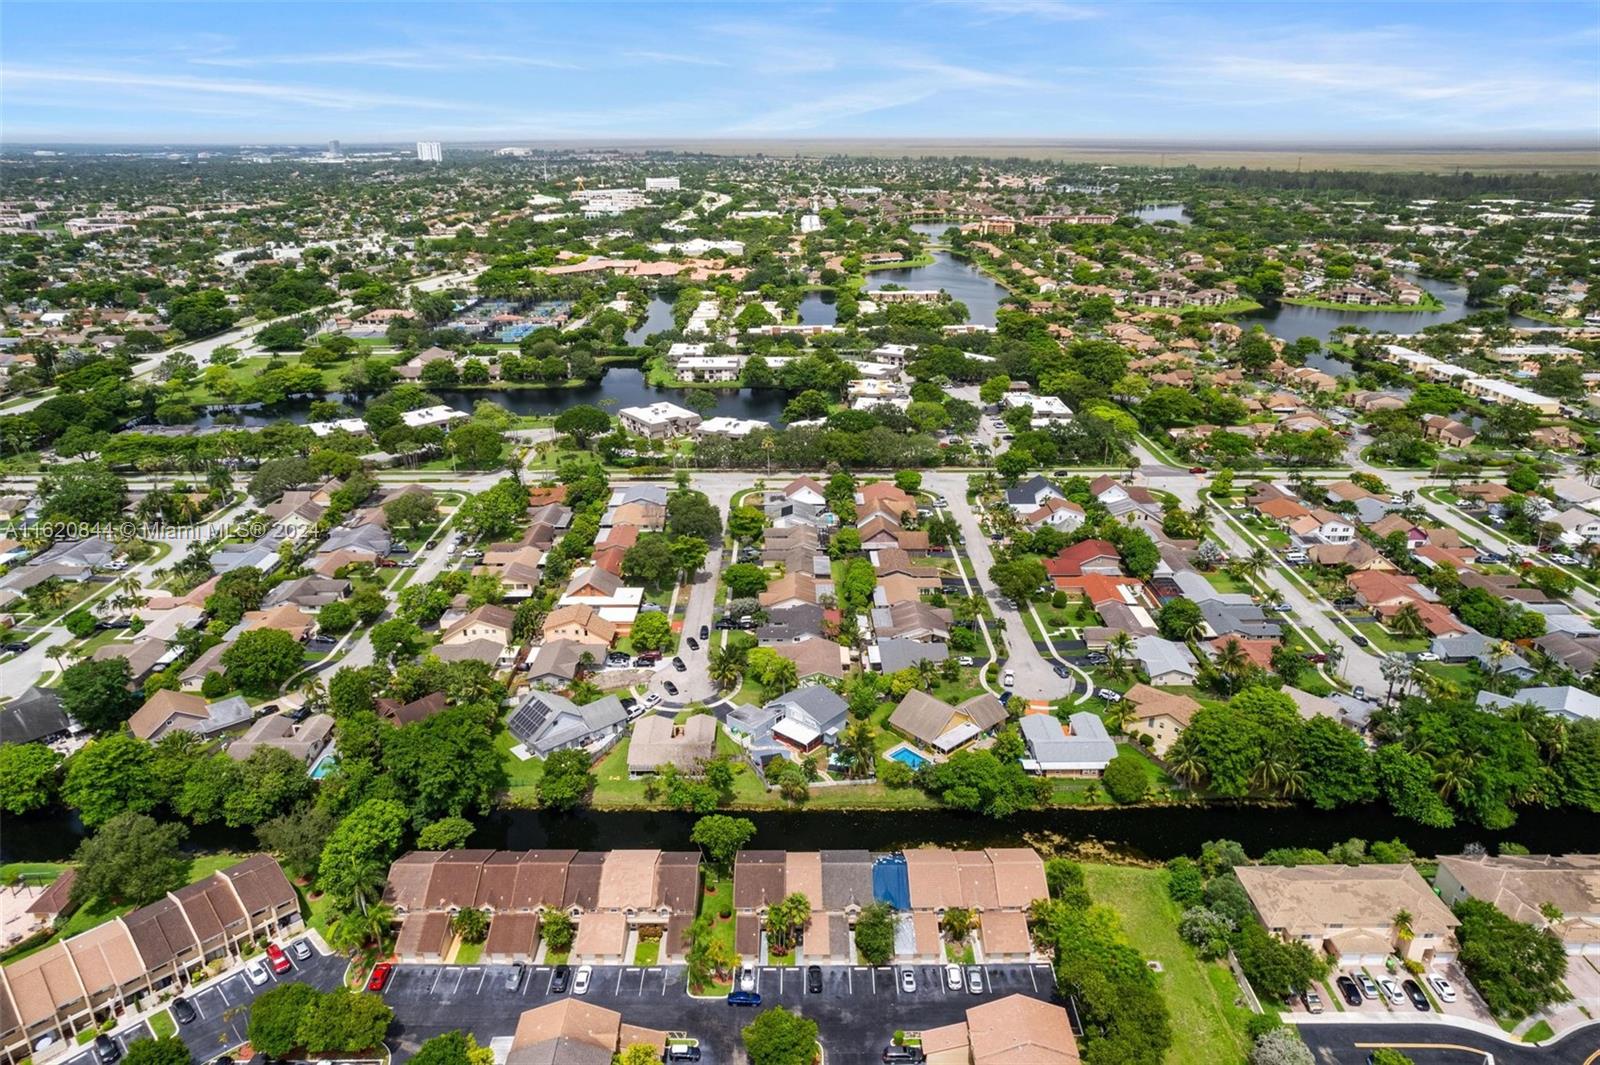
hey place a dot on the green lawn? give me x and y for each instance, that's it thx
(469, 953)
(1384, 640)
(714, 903)
(1200, 995)
(1539, 1032)
(163, 1025)
(524, 776)
(647, 952)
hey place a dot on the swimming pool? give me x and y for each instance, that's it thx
(325, 765)
(907, 757)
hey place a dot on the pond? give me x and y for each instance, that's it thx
(818, 308)
(622, 386)
(657, 319)
(1290, 322)
(963, 281)
(1163, 212)
(1156, 833)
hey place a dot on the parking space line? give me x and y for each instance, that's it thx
(1034, 976)
(481, 979)
(988, 980)
(663, 981)
(219, 990)
(437, 973)
(618, 989)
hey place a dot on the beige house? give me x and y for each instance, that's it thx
(1559, 893)
(1349, 911)
(574, 1032)
(485, 623)
(1160, 715)
(939, 725)
(580, 624)
(658, 741)
(1015, 1030)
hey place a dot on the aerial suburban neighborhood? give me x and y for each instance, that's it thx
(470, 597)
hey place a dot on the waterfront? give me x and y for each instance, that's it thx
(1290, 322)
(963, 281)
(1145, 832)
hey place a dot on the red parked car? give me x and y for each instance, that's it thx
(277, 959)
(380, 976)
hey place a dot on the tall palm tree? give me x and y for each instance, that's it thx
(1186, 764)
(1452, 773)
(1402, 925)
(1396, 670)
(725, 667)
(927, 672)
(1231, 663)
(1407, 621)
(859, 742)
(1122, 643)
(356, 930)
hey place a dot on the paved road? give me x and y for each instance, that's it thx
(1035, 676)
(858, 1010)
(1439, 1044)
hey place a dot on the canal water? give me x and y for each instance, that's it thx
(1155, 832)
(622, 386)
(657, 319)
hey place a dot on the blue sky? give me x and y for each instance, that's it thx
(275, 72)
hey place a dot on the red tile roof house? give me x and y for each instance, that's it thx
(1086, 556)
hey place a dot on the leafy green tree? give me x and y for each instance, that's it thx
(583, 423)
(131, 858)
(875, 933)
(112, 775)
(413, 511)
(83, 492)
(557, 930)
(445, 834)
(447, 763)
(567, 780)
(168, 1050)
(1180, 620)
(1280, 1046)
(472, 925)
(29, 777)
(297, 837)
(260, 660)
(722, 837)
(345, 1022)
(1018, 580)
(651, 632)
(356, 858)
(745, 579)
(690, 513)
(1337, 768)
(1518, 968)
(746, 524)
(1125, 778)
(476, 446)
(778, 1037)
(396, 640)
(454, 1048)
(96, 694)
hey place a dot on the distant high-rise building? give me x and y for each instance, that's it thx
(333, 147)
(661, 184)
(429, 152)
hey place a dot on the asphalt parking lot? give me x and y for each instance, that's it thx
(1438, 1044)
(222, 1007)
(858, 1009)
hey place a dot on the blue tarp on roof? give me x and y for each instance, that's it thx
(890, 883)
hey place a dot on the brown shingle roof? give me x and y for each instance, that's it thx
(678, 881)
(583, 880)
(759, 878)
(627, 880)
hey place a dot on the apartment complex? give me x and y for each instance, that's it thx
(1349, 911)
(70, 985)
(610, 894)
(1560, 893)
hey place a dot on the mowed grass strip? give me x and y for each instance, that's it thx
(1207, 1027)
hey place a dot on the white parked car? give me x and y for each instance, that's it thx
(1446, 991)
(652, 699)
(964, 660)
(580, 980)
(1110, 695)
(1391, 990)
(952, 977)
(1010, 679)
(1427, 656)
(256, 971)
(747, 979)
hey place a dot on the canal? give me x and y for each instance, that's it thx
(1151, 832)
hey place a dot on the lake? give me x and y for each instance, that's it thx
(1290, 322)
(963, 281)
(622, 386)
(657, 319)
(1163, 212)
(818, 308)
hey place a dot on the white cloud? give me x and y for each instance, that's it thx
(1042, 10)
(438, 58)
(328, 98)
(683, 59)
(819, 112)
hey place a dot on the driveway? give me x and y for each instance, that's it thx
(1341, 1042)
(858, 1009)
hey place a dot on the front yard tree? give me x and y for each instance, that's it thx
(413, 510)
(778, 1037)
(167, 1051)
(745, 580)
(1125, 778)
(722, 837)
(454, 1048)
(96, 695)
(651, 632)
(1180, 620)
(28, 777)
(875, 933)
(557, 930)
(1518, 968)
(1019, 580)
(583, 423)
(110, 776)
(131, 859)
(567, 780)
(260, 660)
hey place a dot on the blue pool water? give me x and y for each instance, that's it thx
(325, 765)
(906, 756)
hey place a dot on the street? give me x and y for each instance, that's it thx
(858, 1010)
(1340, 1043)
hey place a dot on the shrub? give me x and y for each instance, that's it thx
(80, 623)
(215, 686)
(1125, 779)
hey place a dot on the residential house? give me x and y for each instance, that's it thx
(1007, 1031)
(1160, 715)
(304, 740)
(657, 741)
(1357, 555)
(791, 624)
(815, 658)
(171, 711)
(1447, 431)
(1563, 701)
(1349, 911)
(547, 722)
(913, 619)
(1164, 661)
(1032, 494)
(938, 725)
(35, 716)
(891, 654)
(1086, 556)
(659, 421)
(1324, 526)
(418, 709)
(1082, 748)
(574, 1032)
(579, 624)
(1546, 891)
(486, 623)
(1494, 655)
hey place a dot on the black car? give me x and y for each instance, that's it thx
(814, 979)
(694, 644)
(1347, 988)
(682, 1053)
(705, 633)
(677, 664)
(1062, 671)
(1414, 993)
(1360, 640)
(725, 623)
(106, 1050)
(15, 647)
(672, 689)
(559, 980)
(117, 624)
(182, 1012)
(896, 1055)
(299, 713)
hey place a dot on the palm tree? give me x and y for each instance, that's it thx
(1589, 468)
(726, 667)
(1231, 663)
(1335, 657)
(1402, 926)
(859, 743)
(1407, 621)
(1185, 764)
(1453, 772)
(927, 672)
(1116, 662)
(52, 592)
(1396, 670)
(1122, 643)
(1498, 653)
(315, 694)
(359, 928)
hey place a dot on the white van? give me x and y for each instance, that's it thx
(1296, 558)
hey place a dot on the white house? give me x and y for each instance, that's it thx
(431, 416)
(659, 421)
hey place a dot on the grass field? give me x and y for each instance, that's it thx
(524, 776)
(163, 1025)
(1208, 1027)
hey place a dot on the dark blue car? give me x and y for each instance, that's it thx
(744, 998)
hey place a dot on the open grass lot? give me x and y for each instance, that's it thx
(524, 776)
(1208, 1026)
